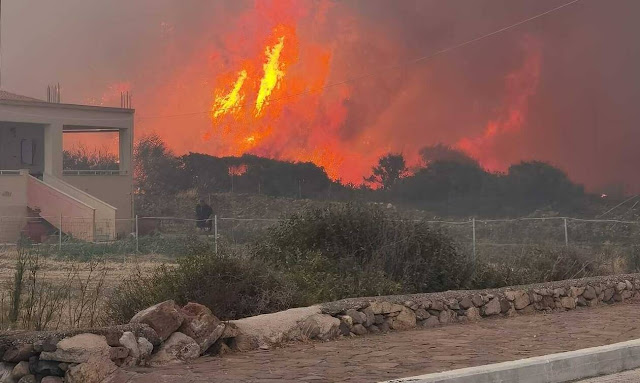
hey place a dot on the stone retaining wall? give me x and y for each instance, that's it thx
(167, 333)
(360, 316)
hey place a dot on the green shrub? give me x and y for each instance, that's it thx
(231, 286)
(376, 250)
(535, 265)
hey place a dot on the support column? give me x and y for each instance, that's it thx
(125, 138)
(53, 149)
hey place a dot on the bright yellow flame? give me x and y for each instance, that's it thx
(250, 139)
(231, 101)
(273, 72)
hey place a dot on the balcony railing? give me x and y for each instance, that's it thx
(9, 172)
(94, 172)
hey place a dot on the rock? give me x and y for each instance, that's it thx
(629, 284)
(617, 297)
(620, 286)
(18, 353)
(201, 325)
(145, 347)
(453, 304)
(359, 329)
(165, 318)
(466, 303)
(177, 348)
(357, 316)
(118, 353)
(344, 328)
(5, 372)
(505, 305)
(437, 305)
(78, 349)
(28, 379)
(371, 317)
(51, 379)
(405, 320)
(128, 340)
(48, 344)
(432, 321)
(592, 303)
(385, 307)
(317, 326)
(94, 370)
(568, 302)
(627, 294)
(537, 298)
(492, 307)
(589, 293)
(384, 327)
(522, 302)
(422, 314)
(608, 294)
(581, 301)
(379, 319)
(511, 295)
(230, 331)
(477, 300)
(576, 291)
(559, 292)
(346, 319)
(19, 370)
(473, 313)
(47, 367)
(446, 316)
(374, 329)
(63, 366)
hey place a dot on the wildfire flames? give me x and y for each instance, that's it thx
(274, 86)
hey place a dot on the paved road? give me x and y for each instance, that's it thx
(380, 357)
(625, 377)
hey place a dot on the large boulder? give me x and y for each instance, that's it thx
(79, 349)
(405, 320)
(129, 341)
(94, 370)
(18, 352)
(177, 349)
(318, 326)
(273, 329)
(492, 307)
(165, 318)
(201, 325)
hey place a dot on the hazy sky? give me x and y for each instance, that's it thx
(580, 111)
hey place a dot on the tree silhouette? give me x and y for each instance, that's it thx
(390, 169)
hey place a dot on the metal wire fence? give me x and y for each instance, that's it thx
(479, 238)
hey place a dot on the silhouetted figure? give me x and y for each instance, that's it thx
(203, 216)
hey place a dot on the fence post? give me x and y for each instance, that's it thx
(60, 234)
(473, 225)
(137, 236)
(566, 234)
(215, 233)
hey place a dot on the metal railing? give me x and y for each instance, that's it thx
(95, 172)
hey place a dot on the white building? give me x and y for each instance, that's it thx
(88, 205)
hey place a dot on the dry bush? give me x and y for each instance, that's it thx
(36, 302)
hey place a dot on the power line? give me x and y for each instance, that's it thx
(390, 67)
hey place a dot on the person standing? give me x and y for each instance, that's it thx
(203, 216)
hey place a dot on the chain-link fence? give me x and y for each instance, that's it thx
(479, 238)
